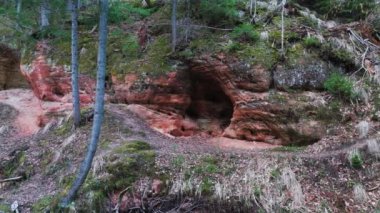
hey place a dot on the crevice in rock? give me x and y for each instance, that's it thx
(210, 107)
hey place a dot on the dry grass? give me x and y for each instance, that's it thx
(263, 185)
(373, 147)
(289, 180)
(360, 194)
(363, 129)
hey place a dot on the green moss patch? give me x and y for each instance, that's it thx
(9, 167)
(5, 208)
(124, 165)
(259, 54)
(42, 205)
(154, 61)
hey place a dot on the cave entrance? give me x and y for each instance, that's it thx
(210, 107)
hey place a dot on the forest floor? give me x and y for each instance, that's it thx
(45, 156)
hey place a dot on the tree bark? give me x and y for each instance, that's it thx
(44, 14)
(283, 28)
(74, 62)
(18, 6)
(99, 107)
(174, 24)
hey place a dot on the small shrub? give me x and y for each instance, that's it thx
(311, 42)
(245, 32)
(122, 11)
(355, 159)
(337, 55)
(219, 12)
(340, 86)
(130, 46)
(349, 10)
(330, 113)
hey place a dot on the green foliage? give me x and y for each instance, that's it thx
(218, 12)
(123, 11)
(355, 159)
(130, 46)
(337, 55)
(65, 128)
(311, 42)
(130, 161)
(275, 173)
(257, 191)
(42, 205)
(340, 86)
(350, 10)
(245, 32)
(289, 36)
(260, 53)
(132, 147)
(207, 186)
(9, 167)
(209, 165)
(5, 208)
(208, 43)
(330, 113)
(155, 61)
(178, 161)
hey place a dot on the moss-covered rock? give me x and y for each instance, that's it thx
(302, 70)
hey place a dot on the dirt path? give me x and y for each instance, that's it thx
(169, 144)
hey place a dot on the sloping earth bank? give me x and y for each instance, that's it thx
(194, 174)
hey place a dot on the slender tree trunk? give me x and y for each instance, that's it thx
(174, 24)
(69, 5)
(18, 6)
(44, 14)
(250, 7)
(283, 28)
(74, 62)
(187, 23)
(99, 106)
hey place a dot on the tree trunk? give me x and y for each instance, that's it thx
(99, 106)
(174, 24)
(69, 5)
(74, 62)
(18, 6)
(44, 14)
(283, 28)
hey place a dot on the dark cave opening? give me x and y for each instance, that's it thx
(210, 107)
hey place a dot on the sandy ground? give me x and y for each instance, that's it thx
(32, 112)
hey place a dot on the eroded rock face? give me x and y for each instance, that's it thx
(53, 83)
(306, 73)
(307, 77)
(224, 96)
(160, 100)
(10, 75)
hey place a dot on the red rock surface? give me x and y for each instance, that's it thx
(52, 83)
(224, 96)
